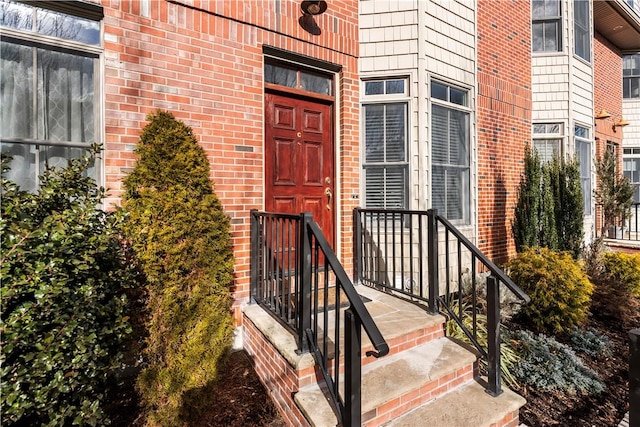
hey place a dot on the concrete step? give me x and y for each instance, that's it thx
(468, 405)
(395, 384)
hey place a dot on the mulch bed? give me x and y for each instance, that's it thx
(601, 410)
(239, 398)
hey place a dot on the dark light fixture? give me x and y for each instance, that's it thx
(313, 7)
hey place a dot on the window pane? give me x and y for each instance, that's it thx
(583, 151)
(65, 97)
(439, 91)
(16, 15)
(394, 86)
(550, 36)
(581, 132)
(386, 186)
(374, 133)
(440, 134)
(315, 83)
(458, 96)
(459, 143)
(537, 9)
(455, 191)
(438, 193)
(395, 132)
(23, 165)
(374, 88)
(280, 75)
(16, 97)
(546, 148)
(68, 27)
(537, 41)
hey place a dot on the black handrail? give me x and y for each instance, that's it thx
(392, 244)
(307, 300)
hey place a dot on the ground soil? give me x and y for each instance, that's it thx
(601, 410)
(239, 398)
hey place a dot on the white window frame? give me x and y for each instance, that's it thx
(547, 134)
(30, 38)
(586, 179)
(542, 20)
(628, 78)
(384, 99)
(632, 154)
(466, 202)
(582, 31)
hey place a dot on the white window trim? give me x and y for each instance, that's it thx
(30, 38)
(463, 223)
(381, 100)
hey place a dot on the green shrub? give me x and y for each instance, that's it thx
(549, 210)
(623, 269)
(617, 286)
(181, 237)
(549, 365)
(64, 277)
(560, 291)
(590, 342)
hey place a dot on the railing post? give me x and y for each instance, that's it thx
(432, 261)
(634, 378)
(304, 298)
(493, 336)
(255, 252)
(352, 369)
(357, 247)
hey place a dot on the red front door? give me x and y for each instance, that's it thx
(299, 168)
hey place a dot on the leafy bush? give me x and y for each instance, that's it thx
(508, 357)
(181, 237)
(549, 365)
(590, 342)
(617, 286)
(64, 276)
(560, 291)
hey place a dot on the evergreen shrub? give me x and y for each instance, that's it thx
(560, 290)
(181, 238)
(617, 287)
(64, 279)
(549, 209)
(549, 365)
(590, 342)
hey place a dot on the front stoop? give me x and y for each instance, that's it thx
(426, 376)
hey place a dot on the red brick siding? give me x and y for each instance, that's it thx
(504, 118)
(607, 70)
(202, 60)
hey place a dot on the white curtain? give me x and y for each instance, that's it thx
(45, 95)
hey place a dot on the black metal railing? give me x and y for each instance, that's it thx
(298, 279)
(409, 252)
(624, 227)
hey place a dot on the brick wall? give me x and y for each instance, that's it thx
(504, 118)
(202, 60)
(607, 65)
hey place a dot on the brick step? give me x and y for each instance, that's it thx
(393, 385)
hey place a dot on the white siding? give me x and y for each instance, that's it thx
(631, 113)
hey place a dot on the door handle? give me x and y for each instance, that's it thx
(329, 194)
